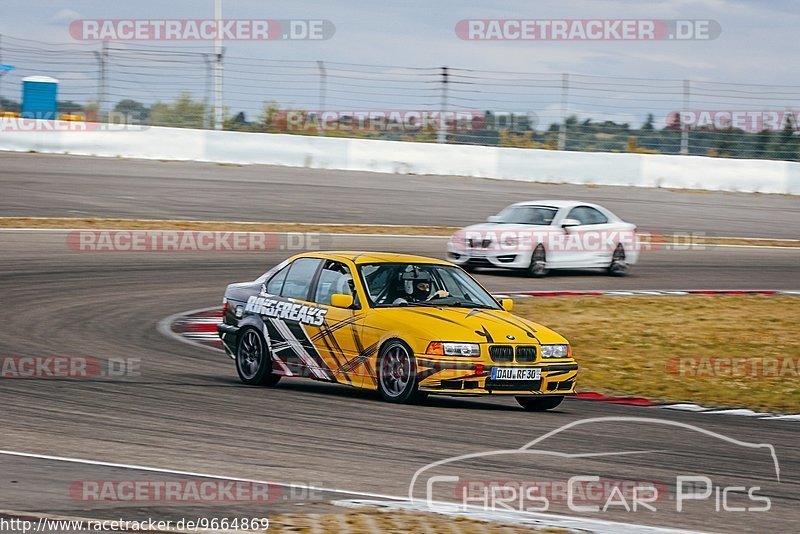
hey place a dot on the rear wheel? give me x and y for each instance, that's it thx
(253, 360)
(540, 404)
(538, 267)
(618, 266)
(397, 374)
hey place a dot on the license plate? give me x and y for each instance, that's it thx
(516, 373)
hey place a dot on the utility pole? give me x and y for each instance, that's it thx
(562, 130)
(218, 67)
(685, 127)
(323, 83)
(208, 113)
(442, 134)
(102, 85)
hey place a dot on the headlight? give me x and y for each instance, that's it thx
(555, 351)
(438, 348)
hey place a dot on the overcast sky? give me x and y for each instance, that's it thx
(758, 45)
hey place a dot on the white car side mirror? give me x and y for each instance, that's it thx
(569, 223)
(493, 218)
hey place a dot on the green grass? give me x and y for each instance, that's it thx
(624, 345)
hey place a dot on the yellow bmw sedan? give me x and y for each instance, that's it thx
(406, 326)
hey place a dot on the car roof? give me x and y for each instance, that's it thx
(554, 203)
(361, 257)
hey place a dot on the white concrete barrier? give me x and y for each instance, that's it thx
(602, 168)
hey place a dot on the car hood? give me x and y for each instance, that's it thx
(470, 325)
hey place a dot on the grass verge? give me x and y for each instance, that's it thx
(368, 521)
(219, 226)
(664, 348)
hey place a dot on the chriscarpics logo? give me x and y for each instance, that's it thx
(567, 470)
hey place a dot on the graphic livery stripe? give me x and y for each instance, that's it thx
(299, 331)
(298, 349)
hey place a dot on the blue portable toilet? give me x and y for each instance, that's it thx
(39, 97)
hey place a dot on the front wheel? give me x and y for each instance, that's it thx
(538, 267)
(397, 373)
(618, 266)
(540, 404)
(253, 360)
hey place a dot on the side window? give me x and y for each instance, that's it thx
(587, 215)
(334, 278)
(275, 284)
(298, 280)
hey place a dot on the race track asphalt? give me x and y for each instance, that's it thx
(36, 185)
(187, 411)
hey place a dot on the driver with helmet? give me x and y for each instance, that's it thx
(416, 286)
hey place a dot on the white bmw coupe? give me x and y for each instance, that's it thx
(550, 234)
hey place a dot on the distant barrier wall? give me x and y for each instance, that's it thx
(602, 168)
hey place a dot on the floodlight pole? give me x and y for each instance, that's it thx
(441, 136)
(218, 67)
(562, 129)
(685, 127)
(323, 78)
(102, 86)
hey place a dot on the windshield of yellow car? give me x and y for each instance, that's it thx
(410, 284)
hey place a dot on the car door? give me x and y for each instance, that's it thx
(339, 339)
(586, 245)
(292, 320)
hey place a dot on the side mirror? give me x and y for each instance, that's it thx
(492, 218)
(507, 304)
(340, 300)
(569, 223)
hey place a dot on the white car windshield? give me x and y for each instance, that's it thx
(541, 215)
(409, 284)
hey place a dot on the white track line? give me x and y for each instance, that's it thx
(552, 520)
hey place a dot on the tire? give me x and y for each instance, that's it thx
(618, 266)
(537, 268)
(397, 373)
(253, 359)
(540, 404)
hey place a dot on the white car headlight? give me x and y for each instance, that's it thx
(453, 349)
(461, 349)
(555, 351)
